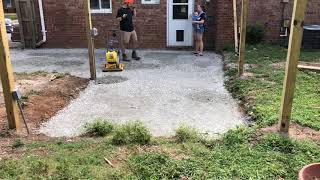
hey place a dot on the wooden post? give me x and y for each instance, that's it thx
(235, 22)
(244, 15)
(90, 39)
(6, 74)
(292, 63)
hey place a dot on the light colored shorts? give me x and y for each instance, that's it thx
(126, 36)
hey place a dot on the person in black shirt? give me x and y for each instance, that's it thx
(125, 16)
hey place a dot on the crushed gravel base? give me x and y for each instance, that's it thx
(164, 90)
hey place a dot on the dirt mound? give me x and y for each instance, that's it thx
(43, 96)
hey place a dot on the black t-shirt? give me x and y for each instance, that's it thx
(126, 24)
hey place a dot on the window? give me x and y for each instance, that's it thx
(7, 3)
(101, 6)
(180, 12)
(150, 1)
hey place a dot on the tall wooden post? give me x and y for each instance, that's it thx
(292, 63)
(244, 15)
(6, 74)
(90, 39)
(235, 22)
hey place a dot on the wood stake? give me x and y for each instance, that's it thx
(109, 162)
(292, 63)
(90, 39)
(7, 79)
(235, 22)
(244, 15)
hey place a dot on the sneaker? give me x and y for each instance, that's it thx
(125, 58)
(135, 56)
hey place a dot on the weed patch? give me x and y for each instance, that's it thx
(18, 144)
(185, 134)
(132, 133)
(99, 127)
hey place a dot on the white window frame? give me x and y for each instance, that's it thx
(150, 2)
(102, 11)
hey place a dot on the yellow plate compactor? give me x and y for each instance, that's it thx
(113, 62)
(113, 54)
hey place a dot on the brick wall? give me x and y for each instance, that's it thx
(66, 26)
(268, 14)
(224, 34)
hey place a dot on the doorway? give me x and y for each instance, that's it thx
(179, 23)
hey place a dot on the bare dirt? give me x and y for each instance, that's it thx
(296, 132)
(43, 96)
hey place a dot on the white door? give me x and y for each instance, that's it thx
(179, 23)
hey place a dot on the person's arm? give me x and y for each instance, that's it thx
(120, 15)
(202, 19)
(198, 22)
(134, 12)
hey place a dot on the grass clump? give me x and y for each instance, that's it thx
(278, 143)
(18, 144)
(186, 134)
(60, 75)
(153, 165)
(237, 136)
(131, 133)
(99, 127)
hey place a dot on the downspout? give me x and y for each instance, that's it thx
(43, 26)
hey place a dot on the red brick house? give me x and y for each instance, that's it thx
(165, 23)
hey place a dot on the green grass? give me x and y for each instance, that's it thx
(263, 93)
(239, 161)
(233, 156)
(11, 16)
(37, 73)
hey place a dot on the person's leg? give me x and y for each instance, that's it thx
(200, 44)
(122, 46)
(125, 38)
(125, 41)
(195, 43)
(135, 45)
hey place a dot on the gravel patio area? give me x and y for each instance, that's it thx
(164, 90)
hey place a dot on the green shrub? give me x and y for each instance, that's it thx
(255, 34)
(99, 127)
(185, 134)
(132, 133)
